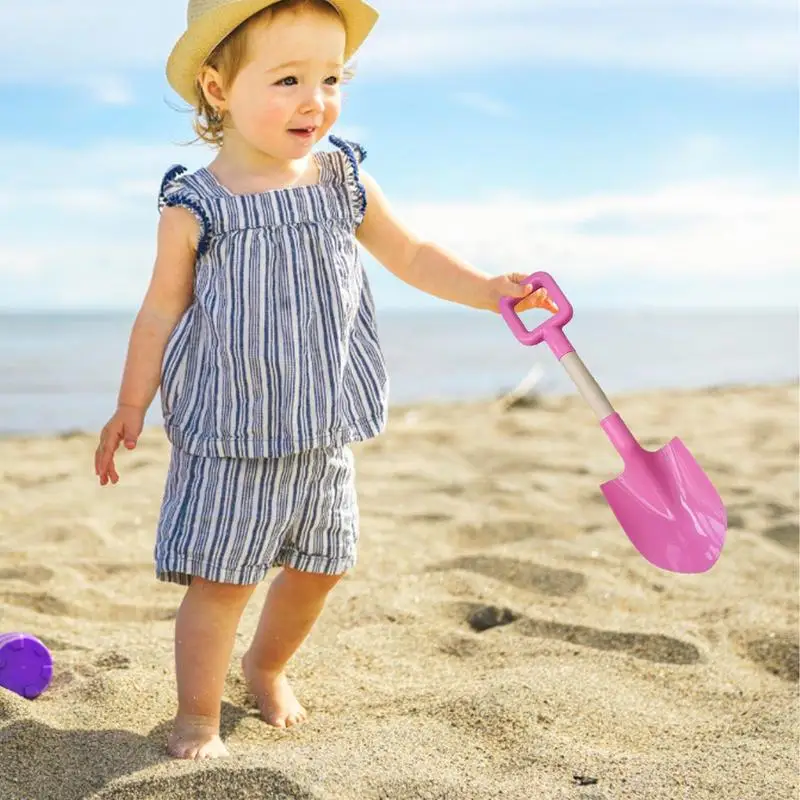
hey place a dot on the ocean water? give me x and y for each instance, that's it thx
(61, 372)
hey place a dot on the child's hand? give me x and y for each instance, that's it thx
(125, 426)
(511, 285)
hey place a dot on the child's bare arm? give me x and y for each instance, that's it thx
(168, 296)
(430, 268)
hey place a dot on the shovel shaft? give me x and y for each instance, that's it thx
(587, 385)
(612, 424)
(552, 333)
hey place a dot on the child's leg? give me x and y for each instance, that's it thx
(205, 631)
(318, 551)
(223, 518)
(294, 603)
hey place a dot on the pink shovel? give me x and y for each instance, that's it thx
(663, 500)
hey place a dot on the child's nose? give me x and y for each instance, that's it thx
(315, 101)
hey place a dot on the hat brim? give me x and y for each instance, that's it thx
(199, 41)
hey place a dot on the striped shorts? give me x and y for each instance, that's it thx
(230, 520)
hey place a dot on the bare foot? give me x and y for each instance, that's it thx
(276, 699)
(196, 738)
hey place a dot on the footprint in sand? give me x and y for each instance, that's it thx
(519, 574)
(84, 669)
(113, 660)
(786, 534)
(648, 647)
(260, 782)
(429, 518)
(50, 605)
(484, 618)
(102, 570)
(40, 602)
(779, 511)
(57, 534)
(92, 605)
(28, 573)
(59, 530)
(784, 531)
(460, 646)
(140, 464)
(35, 482)
(62, 645)
(451, 489)
(500, 531)
(418, 790)
(777, 654)
(736, 520)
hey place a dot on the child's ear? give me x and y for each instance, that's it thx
(212, 87)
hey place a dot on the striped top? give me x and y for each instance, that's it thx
(278, 351)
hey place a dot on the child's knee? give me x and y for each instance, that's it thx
(312, 582)
(227, 593)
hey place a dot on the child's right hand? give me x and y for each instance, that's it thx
(125, 426)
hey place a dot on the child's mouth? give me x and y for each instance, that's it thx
(302, 133)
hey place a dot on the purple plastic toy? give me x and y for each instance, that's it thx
(26, 666)
(663, 500)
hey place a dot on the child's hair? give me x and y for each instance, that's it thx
(230, 55)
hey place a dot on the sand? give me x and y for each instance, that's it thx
(499, 638)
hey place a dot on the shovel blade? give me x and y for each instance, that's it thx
(669, 509)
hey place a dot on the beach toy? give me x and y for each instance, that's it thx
(26, 665)
(663, 500)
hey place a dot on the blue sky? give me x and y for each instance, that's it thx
(643, 151)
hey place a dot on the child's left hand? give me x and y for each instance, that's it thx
(511, 285)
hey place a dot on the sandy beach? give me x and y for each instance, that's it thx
(499, 637)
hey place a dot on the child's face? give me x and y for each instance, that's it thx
(269, 102)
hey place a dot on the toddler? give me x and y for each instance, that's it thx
(259, 328)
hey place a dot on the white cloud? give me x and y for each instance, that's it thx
(698, 154)
(684, 241)
(749, 39)
(112, 91)
(677, 234)
(722, 38)
(483, 104)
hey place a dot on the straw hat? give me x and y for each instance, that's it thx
(210, 21)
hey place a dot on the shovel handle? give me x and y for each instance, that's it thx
(550, 330)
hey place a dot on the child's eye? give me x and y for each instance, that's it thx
(283, 81)
(332, 81)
